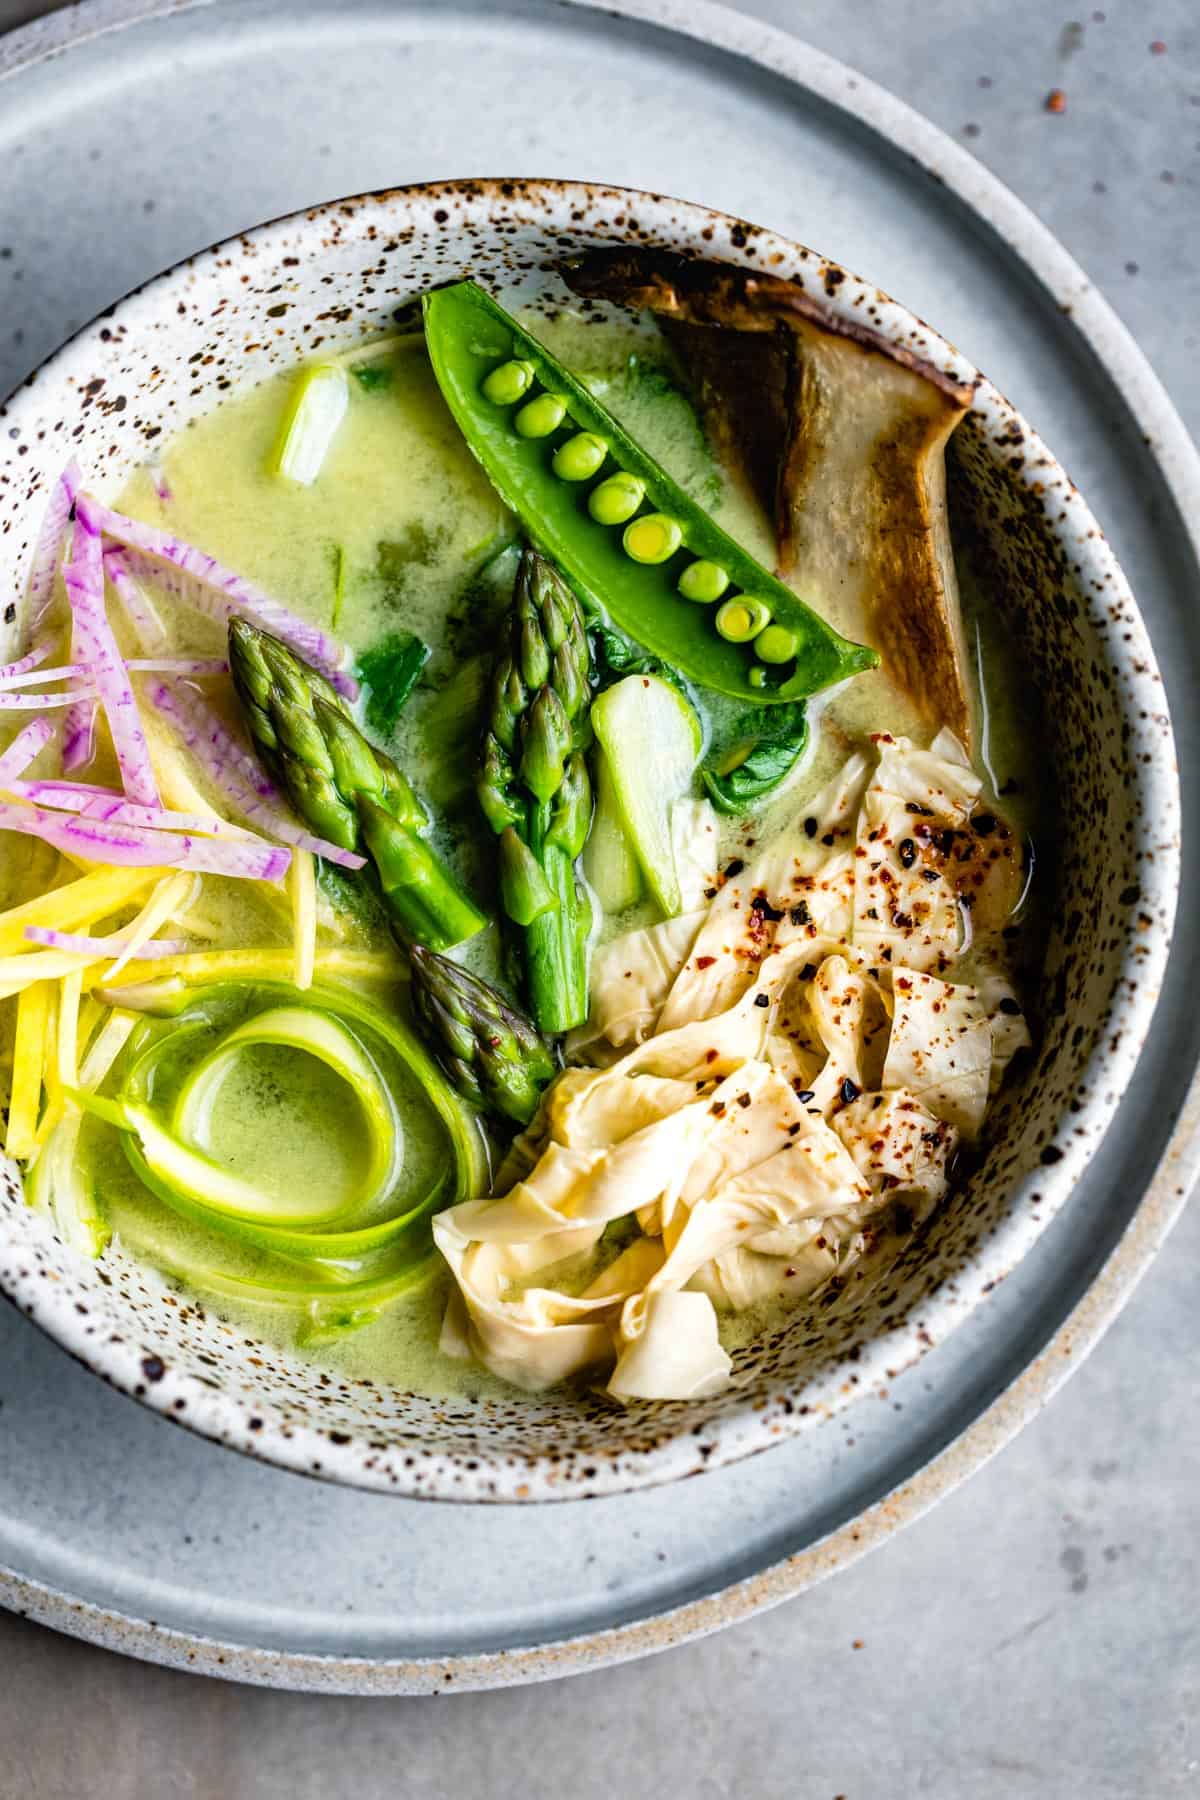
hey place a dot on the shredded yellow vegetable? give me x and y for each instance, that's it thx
(246, 965)
(53, 1109)
(74, 907)
(303, 883)
(69, 995)
(58, 1183)
(29, 1056)
(19, 973)
(90, 1013)
(168, 895)
(111, 1039)
(197, 925)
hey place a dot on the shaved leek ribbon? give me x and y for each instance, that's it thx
(338, 1260)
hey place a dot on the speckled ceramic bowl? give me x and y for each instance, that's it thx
(253, 305)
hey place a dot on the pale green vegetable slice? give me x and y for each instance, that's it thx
(609, 862)
(60, 1185)
(319, 399)
(651, 738)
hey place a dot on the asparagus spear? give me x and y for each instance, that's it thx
(490, 1052)
(344, 788)
(534, 787)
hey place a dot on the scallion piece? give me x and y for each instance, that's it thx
(318, 403)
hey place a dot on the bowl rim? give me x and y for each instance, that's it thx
(273, 1435)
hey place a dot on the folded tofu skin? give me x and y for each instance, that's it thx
(842, 436)
(765, 1086)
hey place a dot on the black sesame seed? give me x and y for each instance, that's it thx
(762, 1000)
(810, 828)
(906, 850)
(1011, 1007)
(850, 1090)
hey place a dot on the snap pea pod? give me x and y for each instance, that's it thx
(637, 550)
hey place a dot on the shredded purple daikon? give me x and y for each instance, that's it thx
(20, 676)
(84, 577)
(40, 702)
(109, 807)
(79, 735)
(102, 946)
(153, 665)
(11, 671)
(139, 608)
(47, 789)
(137, 848)
(179, 665)
(27, 744)
(51, 541)
(203, 582)
(237, 773)
(162, 486)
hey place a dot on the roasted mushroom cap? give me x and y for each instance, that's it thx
(841, 434)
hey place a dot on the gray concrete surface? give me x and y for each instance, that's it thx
(1036, 1637)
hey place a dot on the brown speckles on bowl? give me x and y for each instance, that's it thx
(259, 302)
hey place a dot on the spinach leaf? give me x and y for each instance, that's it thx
(373, 375)
(754, 757)
(617, 656)
(390, 670)
(475, 615)
(415, 544)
